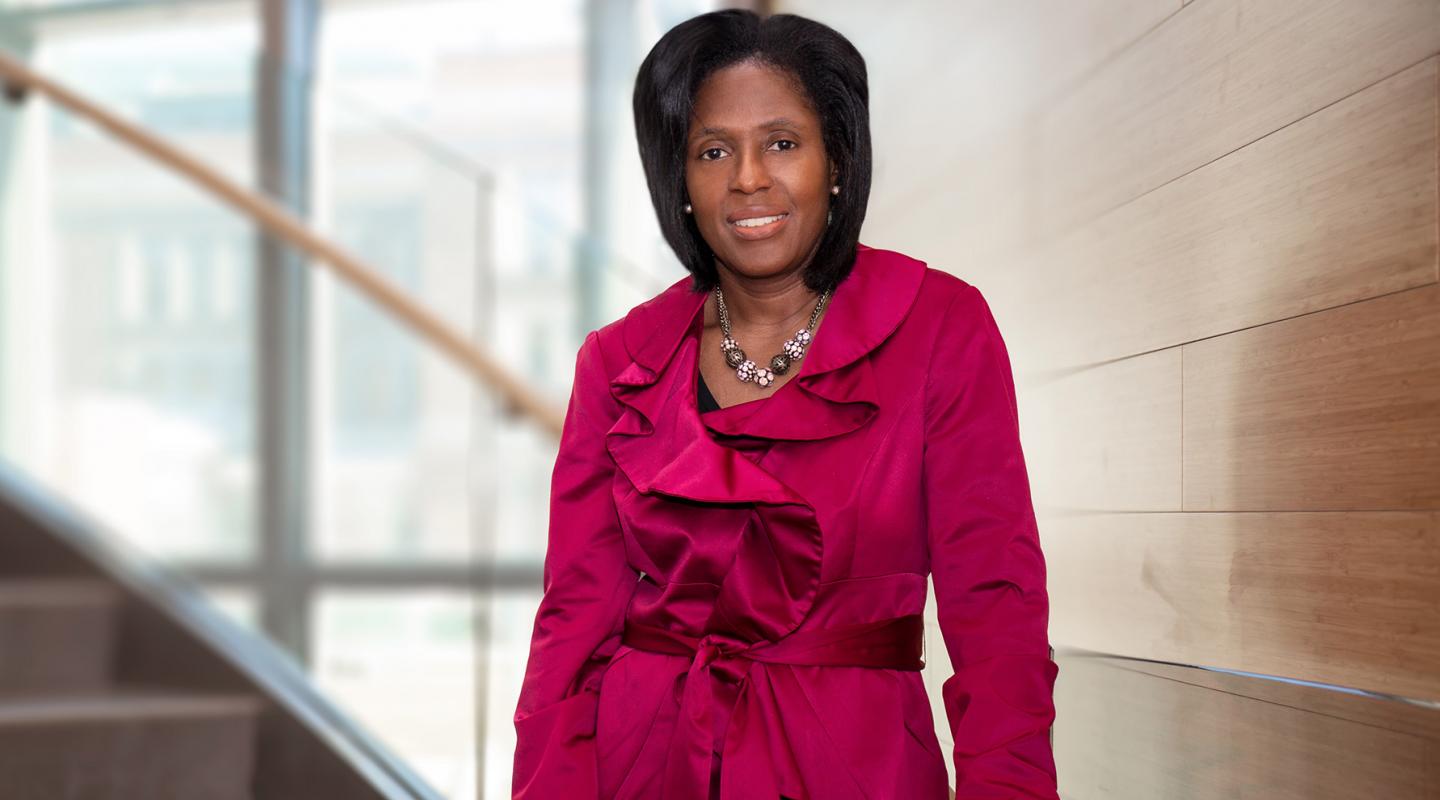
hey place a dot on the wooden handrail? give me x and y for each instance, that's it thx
(283, 225)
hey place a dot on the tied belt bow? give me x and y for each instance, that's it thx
(894, 643)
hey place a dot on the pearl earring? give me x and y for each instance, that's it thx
(688, 209)
(835, 189)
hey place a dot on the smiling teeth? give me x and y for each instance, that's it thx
(758, 221)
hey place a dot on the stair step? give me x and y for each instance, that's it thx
(56, 635)
(128, 744)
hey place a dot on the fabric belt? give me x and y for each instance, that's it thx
(894, 643)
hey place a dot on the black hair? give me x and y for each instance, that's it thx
(827, 67)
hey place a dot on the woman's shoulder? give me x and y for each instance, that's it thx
(939, 284)
(615, 342)
(944, 297)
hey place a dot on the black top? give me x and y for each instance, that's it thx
(707, 400)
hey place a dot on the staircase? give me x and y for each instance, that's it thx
(69, 729)
(117, 682)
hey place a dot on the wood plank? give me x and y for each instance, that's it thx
(953, 95)
(56, 635)
(1344, 598)
(1209, 80)
(1393, 714)
(1106, 438)
(126, 705)
(51, 592)
(1338, 410)
(132, 747)
(1123, 734)
(991, 64)
(1338, 207)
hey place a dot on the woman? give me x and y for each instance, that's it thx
(761, 465)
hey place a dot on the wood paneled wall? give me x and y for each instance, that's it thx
(1208, 230)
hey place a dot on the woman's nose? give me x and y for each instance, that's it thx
(750, 173)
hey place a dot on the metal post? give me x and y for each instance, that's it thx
(610, 41)
(18, 44)
(483, 484)
(282, 358)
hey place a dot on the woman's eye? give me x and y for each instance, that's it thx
(706, 154)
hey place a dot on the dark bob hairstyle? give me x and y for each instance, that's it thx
(831, 72)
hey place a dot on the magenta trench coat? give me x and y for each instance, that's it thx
(791, 528)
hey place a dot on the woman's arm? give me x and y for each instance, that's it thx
(587, 585)
(986, 562)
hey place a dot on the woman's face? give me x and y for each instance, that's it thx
(755, 151)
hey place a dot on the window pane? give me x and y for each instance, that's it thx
(125, 295)
(237, 603)
(450, 137)
(403, 665)
(511, 620)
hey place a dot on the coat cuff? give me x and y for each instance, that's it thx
(1001, 711)
(555, 751)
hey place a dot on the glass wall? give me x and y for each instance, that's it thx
(127, 305)
(453, 148)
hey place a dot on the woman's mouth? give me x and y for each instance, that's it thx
(758, 227)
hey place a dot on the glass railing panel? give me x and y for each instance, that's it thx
(240, 604)
(190, 78)
(126, 387)
(17, 6)
(510, 620)
(414, 468)
(391, 417)
(126, 297)
(404, 662)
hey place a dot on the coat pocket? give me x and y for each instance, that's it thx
(919, 721)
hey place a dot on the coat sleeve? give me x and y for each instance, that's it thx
(986, 563)
(587, 584)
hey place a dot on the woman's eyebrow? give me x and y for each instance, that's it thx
(778, 122)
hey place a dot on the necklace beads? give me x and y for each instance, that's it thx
(793, 349)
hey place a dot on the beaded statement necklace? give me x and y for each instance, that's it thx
(793, 349)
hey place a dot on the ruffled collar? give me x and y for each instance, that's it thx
(824, 398)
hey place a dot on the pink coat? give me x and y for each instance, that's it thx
(753, 548)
